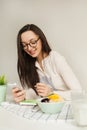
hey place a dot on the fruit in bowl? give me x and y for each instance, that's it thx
(51, 104)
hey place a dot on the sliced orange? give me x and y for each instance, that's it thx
(55, 97)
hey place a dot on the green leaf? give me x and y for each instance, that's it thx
(3, 80)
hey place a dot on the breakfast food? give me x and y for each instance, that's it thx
(45, 100)
(52, 98)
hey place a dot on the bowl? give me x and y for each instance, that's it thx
(50, 107)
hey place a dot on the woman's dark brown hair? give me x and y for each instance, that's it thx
(26, 64)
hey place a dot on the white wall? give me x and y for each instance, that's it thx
(63, 21)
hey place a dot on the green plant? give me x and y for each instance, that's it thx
(3, 80)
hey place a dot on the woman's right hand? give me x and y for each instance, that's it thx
(18, 94)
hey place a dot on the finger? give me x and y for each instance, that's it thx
(40, 88)
(40, 91)
(42, 84)
(15, 89)
(19, 99)
(20, 93)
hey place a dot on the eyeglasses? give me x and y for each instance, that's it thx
(33, 44)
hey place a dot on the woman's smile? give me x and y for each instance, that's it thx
(34, 51)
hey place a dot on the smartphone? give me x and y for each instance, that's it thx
(12, 85)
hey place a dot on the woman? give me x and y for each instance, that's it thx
(41, 70)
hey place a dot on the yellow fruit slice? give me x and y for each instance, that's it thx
(55, 98)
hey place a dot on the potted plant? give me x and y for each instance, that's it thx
(3, 86)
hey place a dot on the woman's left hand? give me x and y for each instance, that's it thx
(42, 89)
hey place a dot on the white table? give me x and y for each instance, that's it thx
(14, 117)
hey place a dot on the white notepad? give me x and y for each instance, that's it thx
(28, 102)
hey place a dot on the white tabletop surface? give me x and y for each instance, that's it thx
(11, 121)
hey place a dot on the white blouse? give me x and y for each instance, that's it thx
(57, 74)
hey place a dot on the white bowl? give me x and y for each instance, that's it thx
(50, 107)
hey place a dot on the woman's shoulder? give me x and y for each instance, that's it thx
(56, 54)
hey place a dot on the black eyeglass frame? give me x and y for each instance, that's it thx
(31, 44)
